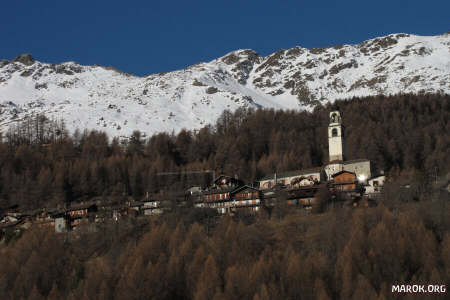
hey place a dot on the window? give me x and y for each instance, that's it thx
(334, 132)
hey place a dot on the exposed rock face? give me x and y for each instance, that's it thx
(104, 98)
(242, 62)
(26, 59)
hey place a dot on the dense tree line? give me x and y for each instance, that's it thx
(41, 164)
(343, 254)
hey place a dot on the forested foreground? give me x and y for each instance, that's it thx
(41, 165)
(342, 254)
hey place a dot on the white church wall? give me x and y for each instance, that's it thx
(360, 168)
(332, 169)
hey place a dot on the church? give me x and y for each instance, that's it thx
(336, 163)
(336, 149)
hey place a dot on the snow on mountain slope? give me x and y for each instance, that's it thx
(106, 99)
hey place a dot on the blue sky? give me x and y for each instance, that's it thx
(144, 37)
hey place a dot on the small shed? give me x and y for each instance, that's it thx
(61, 221)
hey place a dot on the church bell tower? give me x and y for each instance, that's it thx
(336, 137)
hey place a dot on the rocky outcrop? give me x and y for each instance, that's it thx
(26, 59)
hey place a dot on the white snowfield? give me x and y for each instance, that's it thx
(93, 97)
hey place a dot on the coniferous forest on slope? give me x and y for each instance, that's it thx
(343, 253)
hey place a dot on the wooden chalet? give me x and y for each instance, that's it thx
(246, 197)
(78, 212)
(218, 198)
(81, 210)
(345, 181)
(226, 195)
(298, 196)
(304, 195)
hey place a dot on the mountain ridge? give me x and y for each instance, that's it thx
(105, 98)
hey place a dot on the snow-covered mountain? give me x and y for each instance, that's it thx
(106, 99)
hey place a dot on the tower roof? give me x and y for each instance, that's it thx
(335, 117)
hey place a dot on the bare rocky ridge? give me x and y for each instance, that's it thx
(105, 98)
(25, 59)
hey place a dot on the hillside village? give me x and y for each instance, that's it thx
(351, 182)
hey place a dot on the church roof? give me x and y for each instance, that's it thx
(347, 162)
(336, 161)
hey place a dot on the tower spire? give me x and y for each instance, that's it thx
(336, 137)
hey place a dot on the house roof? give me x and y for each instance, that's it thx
(31, 212)
(51, 210)
(222, 175)
(376, 176)
(218, 191)
(292, 173)
(11, 224)
(81, 206)
(245, 187)
(341, 172)
(58, 213)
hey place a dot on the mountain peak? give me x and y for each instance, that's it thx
(26, 59)
(239, 56)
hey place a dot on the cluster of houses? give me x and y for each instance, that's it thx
(227, 195)
(66, 219)
(351, 180)
(297, 188)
